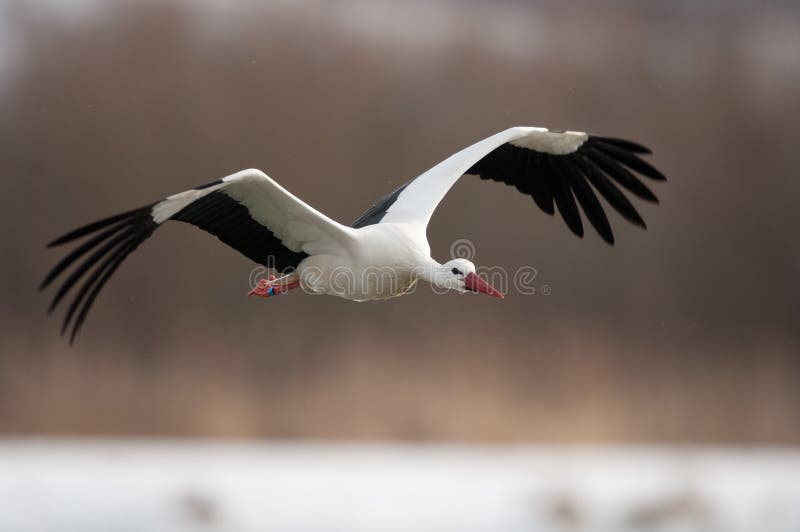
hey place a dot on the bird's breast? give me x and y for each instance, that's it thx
(354, 281)
(381, 265)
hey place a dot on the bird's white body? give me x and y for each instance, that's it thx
(382, 261)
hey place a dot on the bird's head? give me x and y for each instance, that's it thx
(459, 274)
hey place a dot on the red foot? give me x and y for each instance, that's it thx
(269, 288)
(264, 288)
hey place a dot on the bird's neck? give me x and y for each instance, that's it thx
(432, 272)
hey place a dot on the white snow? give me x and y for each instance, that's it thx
(176, 486)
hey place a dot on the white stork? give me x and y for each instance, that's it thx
(256, 216)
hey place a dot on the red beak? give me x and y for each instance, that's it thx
(476, 284)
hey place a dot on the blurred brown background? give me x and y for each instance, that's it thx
(685, 333)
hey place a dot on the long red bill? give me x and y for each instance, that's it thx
(476, 284)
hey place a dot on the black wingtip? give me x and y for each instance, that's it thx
(96, 226)
(634, 218)
(112, 239)
(63, 239)
(72, 337)
(608, 238)
(629, 159)
(628, 145)
(60, 241)
(546, 207)
(620, 174)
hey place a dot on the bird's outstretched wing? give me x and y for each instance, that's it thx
(247, 210)
(558, 169)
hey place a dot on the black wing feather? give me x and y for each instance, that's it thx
(118, 252)
(563, 196)
(375, 214)
(612, 194)
(620, 174)
(94, 226)
(112, 239)
(87, 264)
(230, 221)
(589, 203)
(626, 145)
(103, 275)
(540, 188)
(566, 182)
(630, 160)
(78, 252)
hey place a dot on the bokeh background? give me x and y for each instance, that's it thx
(686, 333)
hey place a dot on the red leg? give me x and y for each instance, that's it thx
(272, 287)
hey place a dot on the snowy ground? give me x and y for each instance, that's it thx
(176, 486)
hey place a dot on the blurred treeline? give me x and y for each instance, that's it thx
(687, 332)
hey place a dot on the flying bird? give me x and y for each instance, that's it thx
(250, 212)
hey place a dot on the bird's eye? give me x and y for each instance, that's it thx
(456, 272)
